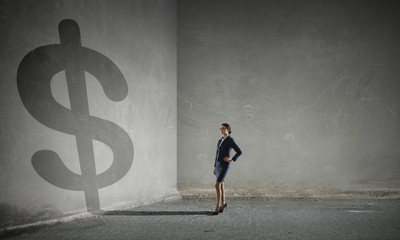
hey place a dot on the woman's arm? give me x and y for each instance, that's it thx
(237, 150)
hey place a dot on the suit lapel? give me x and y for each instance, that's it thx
(226, 139)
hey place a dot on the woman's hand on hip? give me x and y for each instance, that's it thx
(226, 159)
(214, 172)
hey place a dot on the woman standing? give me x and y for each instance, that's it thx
(222, 164)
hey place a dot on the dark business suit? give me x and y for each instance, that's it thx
(224, 150)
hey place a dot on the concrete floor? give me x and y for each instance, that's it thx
(245, 218)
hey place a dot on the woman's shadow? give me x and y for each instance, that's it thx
(156, 213)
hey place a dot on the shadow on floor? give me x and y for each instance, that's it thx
(156, 213)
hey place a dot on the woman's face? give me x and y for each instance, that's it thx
(224, 130)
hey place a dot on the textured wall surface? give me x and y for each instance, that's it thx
(64, 147)
(310, 88)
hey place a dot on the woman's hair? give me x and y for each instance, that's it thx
(227, 127)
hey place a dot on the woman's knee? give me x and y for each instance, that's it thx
(217, 185)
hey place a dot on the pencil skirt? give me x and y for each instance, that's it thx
(221, 171)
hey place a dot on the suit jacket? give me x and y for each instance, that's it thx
(225, 150)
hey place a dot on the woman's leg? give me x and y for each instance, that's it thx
(222, 194)
(218, 189)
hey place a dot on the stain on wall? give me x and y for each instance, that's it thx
(310, 88)
(84, 84)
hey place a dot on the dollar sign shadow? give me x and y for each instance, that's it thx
(33, 78)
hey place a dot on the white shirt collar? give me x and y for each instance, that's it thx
(222, 139)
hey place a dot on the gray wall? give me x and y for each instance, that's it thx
(310, 88)
(129, 70)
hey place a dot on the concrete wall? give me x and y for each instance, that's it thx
(310, 88)
(64, 149)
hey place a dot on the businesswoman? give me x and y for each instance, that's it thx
(222, 164)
